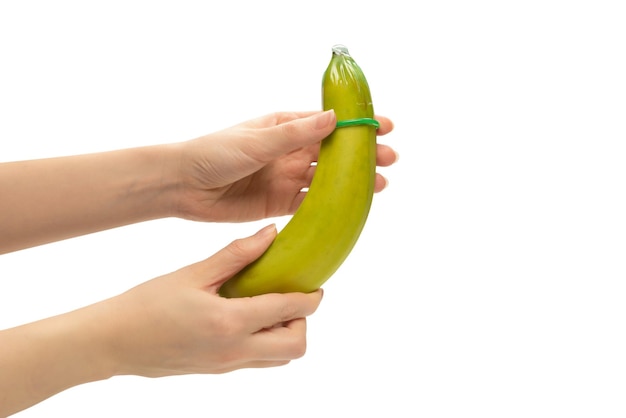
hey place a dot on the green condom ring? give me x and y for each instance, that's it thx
(358, 121)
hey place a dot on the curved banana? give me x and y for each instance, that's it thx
(326, 226)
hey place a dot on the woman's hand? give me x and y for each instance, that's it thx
(174, 324)
(258, 169)
(178, 324)
(253, 170)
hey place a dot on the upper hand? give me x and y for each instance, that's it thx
(257, 169)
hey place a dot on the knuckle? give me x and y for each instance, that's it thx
(297, 347)
(288, 312)
(238, 249)
(290, 131)
(225, 325)
(283, 117)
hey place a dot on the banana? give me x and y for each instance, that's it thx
(327, 224)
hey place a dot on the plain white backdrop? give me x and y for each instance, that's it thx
(489, 280)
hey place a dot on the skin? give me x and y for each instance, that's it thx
(174, 324)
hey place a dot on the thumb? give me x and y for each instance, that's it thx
(294, 134)
(221, 266)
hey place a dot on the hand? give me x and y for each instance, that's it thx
(177, 324)
(171, 325)
(250, 171)
(257, 169)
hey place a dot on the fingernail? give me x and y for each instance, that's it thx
(267, 231)
(386, 182)
(324, 119)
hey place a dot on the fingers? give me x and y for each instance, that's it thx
(386, 125)
(266, 311)
(278, 118)
(281, 343)
(214, 271)
(283, 138)
(276, 325)
(284, 132)
(385, 155)
(380, 183)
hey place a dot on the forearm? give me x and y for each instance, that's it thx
(52, 199)
(41, 359)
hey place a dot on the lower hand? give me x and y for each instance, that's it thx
(177, 323)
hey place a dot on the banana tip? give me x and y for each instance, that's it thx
(340, 49)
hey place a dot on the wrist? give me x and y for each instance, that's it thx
(163, 187)
(188, 189)
(148, 183)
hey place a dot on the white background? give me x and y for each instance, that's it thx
(489, 280)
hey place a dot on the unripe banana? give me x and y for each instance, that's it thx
(326, 226)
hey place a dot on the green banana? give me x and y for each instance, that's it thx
(323, 231)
